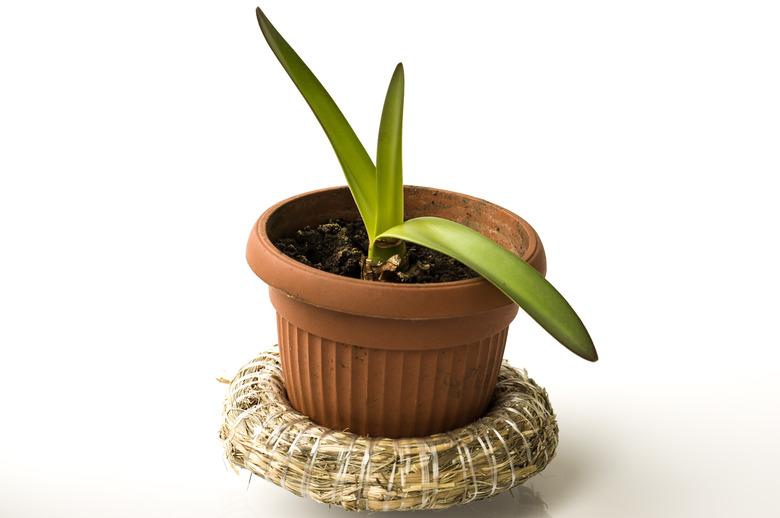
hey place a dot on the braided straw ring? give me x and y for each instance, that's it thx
(262, 433)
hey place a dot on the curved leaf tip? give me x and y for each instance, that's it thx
(505, 270)
(359, 169)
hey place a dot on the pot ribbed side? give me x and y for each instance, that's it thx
(389, 393)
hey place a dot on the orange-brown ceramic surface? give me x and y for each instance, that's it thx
(386, 359)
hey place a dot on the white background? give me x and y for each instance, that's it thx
(140, 141)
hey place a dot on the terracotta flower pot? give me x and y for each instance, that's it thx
(385, 359)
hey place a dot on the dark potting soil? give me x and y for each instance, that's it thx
(340, 246)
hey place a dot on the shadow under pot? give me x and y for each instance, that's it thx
(387, 359)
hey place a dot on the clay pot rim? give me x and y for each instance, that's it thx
(259, 231)
(381, 300)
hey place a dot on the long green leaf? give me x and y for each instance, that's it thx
(389, 172)
(358, 167)
(516, 278)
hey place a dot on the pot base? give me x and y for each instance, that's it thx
(262, 433)
(388, 393)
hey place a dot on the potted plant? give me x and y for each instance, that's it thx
(381, 355)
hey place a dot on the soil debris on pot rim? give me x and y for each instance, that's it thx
(341, 246)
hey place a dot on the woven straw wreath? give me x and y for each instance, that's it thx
(265, 435)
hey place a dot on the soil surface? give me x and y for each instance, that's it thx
(340, 246)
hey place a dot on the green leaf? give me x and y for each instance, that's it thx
(513, 276)
(357, 165)
(389, 172)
